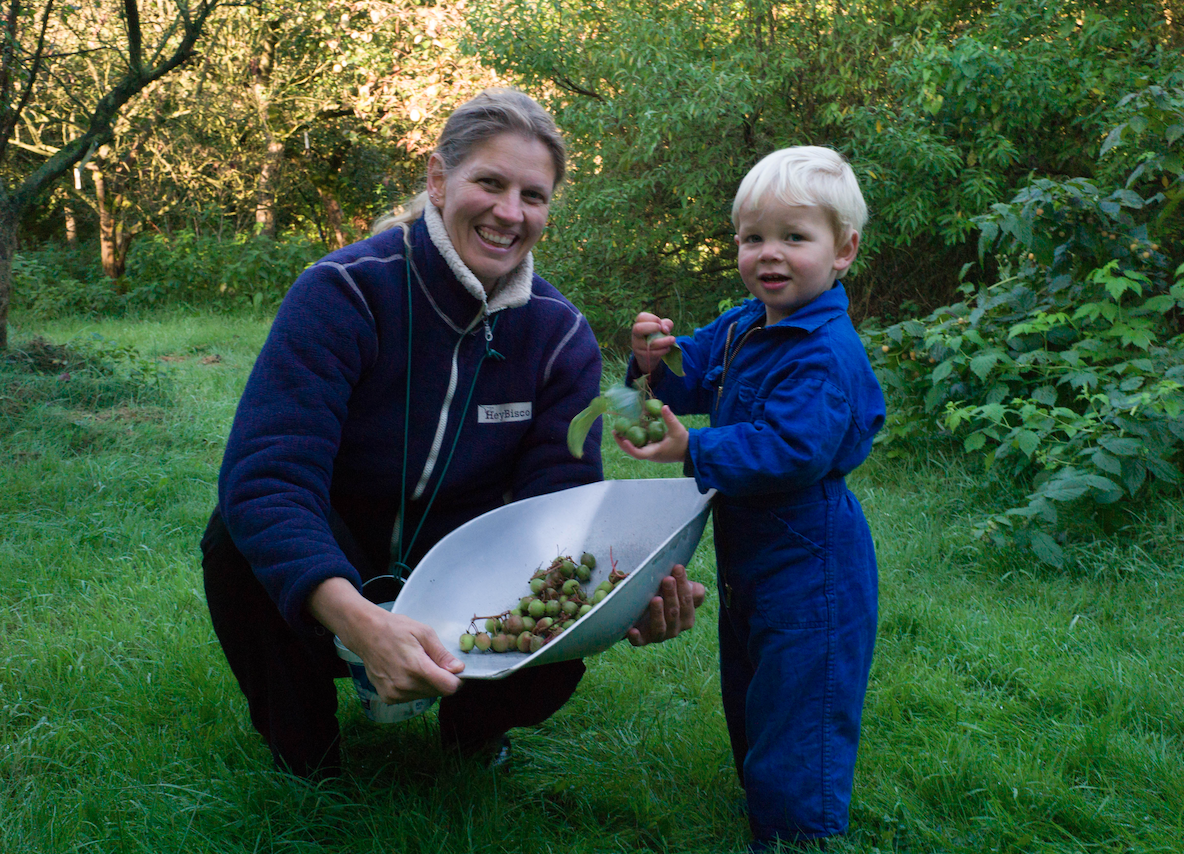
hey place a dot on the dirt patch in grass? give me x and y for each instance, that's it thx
(133, 414)
(44, 357)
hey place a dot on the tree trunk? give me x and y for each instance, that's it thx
(114, 239)
(9, 217)
(334, 215)
(71, 225)
(265, 187)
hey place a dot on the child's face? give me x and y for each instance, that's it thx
(788, 255)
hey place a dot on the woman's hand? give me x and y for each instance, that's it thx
(672, 448)
(648, 354)
(404, 658)
(671, 611)
(406, 661)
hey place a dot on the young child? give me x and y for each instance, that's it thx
(794, 406)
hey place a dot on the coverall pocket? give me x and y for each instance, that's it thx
(778, 571)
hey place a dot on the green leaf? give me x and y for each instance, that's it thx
(1121, 447)
(673, 360)
(1105, 490)
(1134, 473)
(1163, 470)
(1161, 304)
(1082, 379)
(1047, 550)
(1045, 394)
(974, 441)
(983, 363)
(993, 411)
(1113, 138)
(1028, 442)
(1068, 488)
(1107, 461)
(577, 430)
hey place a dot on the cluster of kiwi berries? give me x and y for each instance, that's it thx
(628, 411)
(557, 599)
(647, 427)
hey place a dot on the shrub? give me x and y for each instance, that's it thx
(1068, 371)
(45, 287)
(187, 267)
(245, 270)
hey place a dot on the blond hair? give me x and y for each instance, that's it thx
(806, 175)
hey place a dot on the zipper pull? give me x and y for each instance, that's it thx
(489, 351)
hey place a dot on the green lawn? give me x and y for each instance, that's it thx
(1012, 708)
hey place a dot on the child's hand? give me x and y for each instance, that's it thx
(649, 353)
(671, 449)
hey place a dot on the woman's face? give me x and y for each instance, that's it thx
(495, 202)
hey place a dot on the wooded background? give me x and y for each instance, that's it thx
(299, 122)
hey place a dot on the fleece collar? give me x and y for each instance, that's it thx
(511, 291)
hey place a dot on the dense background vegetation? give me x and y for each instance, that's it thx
(1019, 282)
(302, 123)
(1020, 289)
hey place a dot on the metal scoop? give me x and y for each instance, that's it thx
(484, 567)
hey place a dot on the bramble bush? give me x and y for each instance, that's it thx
(246, 269)
(44, 287)
(1067, 373)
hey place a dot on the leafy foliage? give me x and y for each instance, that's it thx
(1067, 372)
(246, 270)
(944, 109)
(188, 267)
(44, 289)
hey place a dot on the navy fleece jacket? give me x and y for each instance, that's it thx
(321, 421)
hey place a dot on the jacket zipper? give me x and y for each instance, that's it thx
(729, 355)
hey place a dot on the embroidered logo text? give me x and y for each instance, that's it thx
(503, 413)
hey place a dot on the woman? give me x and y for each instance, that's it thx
(410, 382)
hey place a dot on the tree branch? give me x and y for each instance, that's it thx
(572, 86)
(43, 150)
(99, 129)
(9, 116)
(135, 48)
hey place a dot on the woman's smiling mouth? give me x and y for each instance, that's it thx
(496, 238)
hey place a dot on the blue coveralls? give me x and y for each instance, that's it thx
(793, 407)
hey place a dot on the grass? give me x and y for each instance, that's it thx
(1012, 708)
